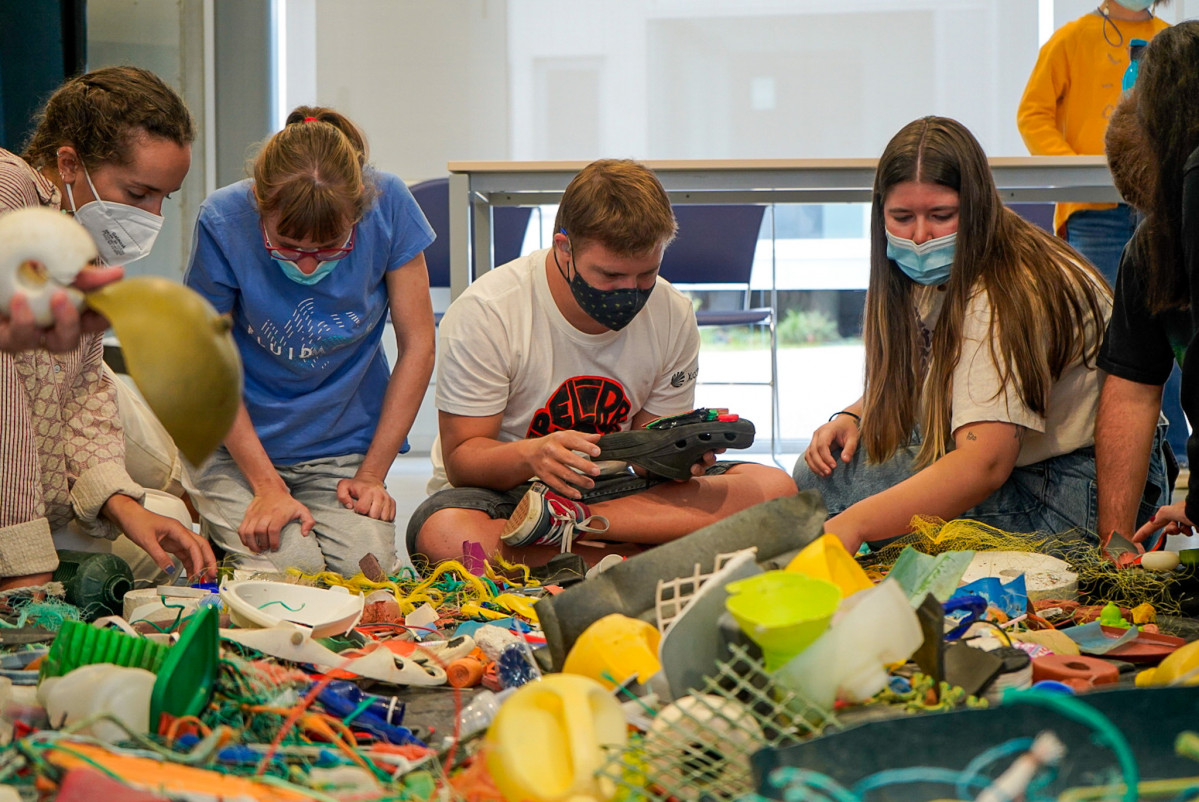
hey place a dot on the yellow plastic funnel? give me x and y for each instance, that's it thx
(548, 740)
(616, 646)
(782, 611)
(826, 558)
(181, 356)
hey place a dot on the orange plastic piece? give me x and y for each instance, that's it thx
(465, 672)
(154, 774)
(1078, 671)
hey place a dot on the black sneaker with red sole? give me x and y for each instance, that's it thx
(670, 446)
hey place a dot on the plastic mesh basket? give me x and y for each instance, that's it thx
(700, 746)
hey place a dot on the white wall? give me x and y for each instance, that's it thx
(165, 38)
(427, 81)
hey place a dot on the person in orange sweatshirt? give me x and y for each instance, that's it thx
(1072, 91)
(1070, 95)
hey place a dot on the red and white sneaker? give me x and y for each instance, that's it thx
(544, 517)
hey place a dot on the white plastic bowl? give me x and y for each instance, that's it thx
(259, 603)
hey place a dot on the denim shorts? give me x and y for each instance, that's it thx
(1053, 496)
(502, 503)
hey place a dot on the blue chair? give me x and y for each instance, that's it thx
(713, 254)
(1039, 214)
(509, 224)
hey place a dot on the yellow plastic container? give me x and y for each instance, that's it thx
(617, 646)
(1181, 664)
(547, 741)
(782, 611)
(826, 558)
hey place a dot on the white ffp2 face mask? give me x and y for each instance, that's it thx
(123, 233)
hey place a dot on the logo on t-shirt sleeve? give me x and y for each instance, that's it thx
(681, 377)
(590, 404)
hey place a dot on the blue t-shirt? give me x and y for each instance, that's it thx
(315, 371)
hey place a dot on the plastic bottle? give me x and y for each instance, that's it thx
(1135, 48)
(95, 582)
(100, 688)
(478, 715)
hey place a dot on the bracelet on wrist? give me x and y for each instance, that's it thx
(853, 415)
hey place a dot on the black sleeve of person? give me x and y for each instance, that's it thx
(1190, 367)
(1136, 346)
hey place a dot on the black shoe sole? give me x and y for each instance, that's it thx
(672, 452)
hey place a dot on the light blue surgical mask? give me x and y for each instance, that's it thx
(1136, 5)
(928, 263)
(294, 273)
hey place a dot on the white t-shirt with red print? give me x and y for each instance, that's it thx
(504, 346)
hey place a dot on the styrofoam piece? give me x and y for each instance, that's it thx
(261, 603)
(287, 641)
(714, 732)
(41, 252)
(150, 604)
(1045, 577)
(422, 620)
(1159, 560)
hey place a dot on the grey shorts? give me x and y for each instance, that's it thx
(501, 503)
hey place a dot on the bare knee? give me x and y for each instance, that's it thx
(444, 532)
(764, 481)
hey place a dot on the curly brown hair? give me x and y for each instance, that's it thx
(101, 114)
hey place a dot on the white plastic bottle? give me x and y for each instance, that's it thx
(100, 688)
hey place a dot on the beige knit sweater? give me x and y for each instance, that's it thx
(62, 452)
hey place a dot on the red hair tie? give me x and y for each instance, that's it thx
(310, 120)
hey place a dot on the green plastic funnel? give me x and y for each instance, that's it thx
(782, 611)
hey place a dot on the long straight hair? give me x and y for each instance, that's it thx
(1048, 302)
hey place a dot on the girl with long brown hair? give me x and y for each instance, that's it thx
(310, 256)
(981, 332)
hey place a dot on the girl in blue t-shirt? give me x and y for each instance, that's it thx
(308, 257)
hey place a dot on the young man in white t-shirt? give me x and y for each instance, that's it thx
(544, 355)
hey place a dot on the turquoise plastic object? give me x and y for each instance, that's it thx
(1091, 638)
(1135, 47)
(186, 676)
(920, 574)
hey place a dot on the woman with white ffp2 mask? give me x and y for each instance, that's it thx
(122, 233)
(110, 145)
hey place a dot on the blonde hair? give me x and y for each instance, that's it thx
(1047, 300)
(311, 174)
(618, 203)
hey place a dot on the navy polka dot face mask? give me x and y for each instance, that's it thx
(613, 309)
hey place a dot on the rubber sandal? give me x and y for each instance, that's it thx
(670, 446)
